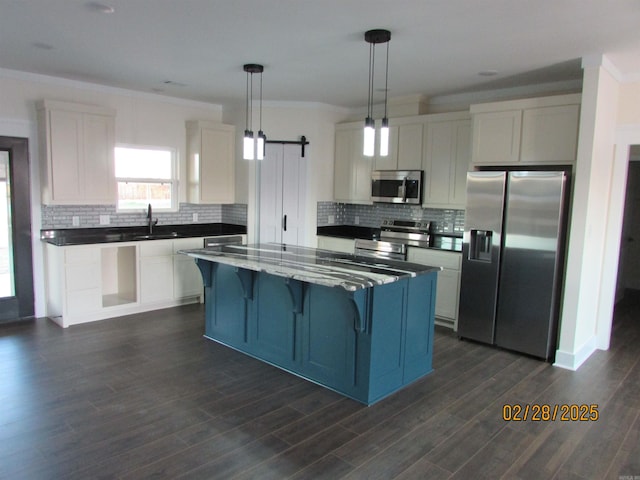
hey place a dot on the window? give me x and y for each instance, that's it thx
(146, 175)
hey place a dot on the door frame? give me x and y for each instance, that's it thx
(22, 305)
(626, 136)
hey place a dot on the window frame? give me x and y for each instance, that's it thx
(174, 181)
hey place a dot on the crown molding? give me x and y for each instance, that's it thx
(96, 87)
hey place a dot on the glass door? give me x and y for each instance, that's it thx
(16, 271)
(7, 281)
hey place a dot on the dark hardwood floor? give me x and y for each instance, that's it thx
(146, 396)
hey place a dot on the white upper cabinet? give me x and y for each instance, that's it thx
(534, 131)
(447, 156)
(550, 134)
(211, 165)
(352, 170)
(77, 147)
(405, 146)
(496, 137)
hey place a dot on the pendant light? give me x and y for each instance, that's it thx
(249, 144)
(373, 37)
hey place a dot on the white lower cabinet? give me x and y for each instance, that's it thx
(93, 282)
(448, 290)
(344, 245)
(187, 280)
(156, 271)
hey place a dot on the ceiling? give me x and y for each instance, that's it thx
(314, 51)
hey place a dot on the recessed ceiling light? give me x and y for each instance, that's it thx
(174, 84)
(42, 45)
(488, 73)
(100, 7)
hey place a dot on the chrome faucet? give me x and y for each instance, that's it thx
(150, 221)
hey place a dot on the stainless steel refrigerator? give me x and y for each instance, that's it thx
(513, 259)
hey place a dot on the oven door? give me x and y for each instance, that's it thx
(380, 250)
(397, 186)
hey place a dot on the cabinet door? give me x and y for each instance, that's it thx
(99, 173)
(342, 174)
(405, 149)
(217, 168)
(352, 170)
(550, 134)
(156, 279)
(447, 294)
(82, 280)
(410, 147)
(156, 271)
(187, 280)
(439, 149)
(496, 137)
(328, 338)
(65, 155)
(390, 162)
(460, 164)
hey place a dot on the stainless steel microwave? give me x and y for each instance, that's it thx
(397, 186)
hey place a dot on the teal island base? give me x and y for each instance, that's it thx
(365, 344)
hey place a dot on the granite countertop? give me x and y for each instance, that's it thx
(85, 236)
(312, 265)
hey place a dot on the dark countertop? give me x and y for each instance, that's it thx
(451, 243)
(321, 267)
(349, 231)
(85, 236)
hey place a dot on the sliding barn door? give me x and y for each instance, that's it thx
(282, 194)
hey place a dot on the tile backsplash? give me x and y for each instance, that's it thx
(61, 216)
(332, 213)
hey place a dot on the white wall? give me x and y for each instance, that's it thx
(141, 118)
(592, 190)
(289, 121)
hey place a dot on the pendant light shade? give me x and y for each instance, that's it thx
(374, 37)
(384, 137)
(252, 148)
(369, 137)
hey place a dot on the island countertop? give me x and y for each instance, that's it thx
(311, 265)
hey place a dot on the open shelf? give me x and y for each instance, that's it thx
(119, 276)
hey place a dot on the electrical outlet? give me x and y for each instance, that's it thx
(195, 217)
(105, 220)
(332, 219)
(75, 221)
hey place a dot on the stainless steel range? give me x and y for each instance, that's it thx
(395, 236)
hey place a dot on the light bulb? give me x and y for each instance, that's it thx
(384, 138)
(260, 145)
(248, 145)
(369, 137)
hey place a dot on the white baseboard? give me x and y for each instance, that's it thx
(573, 360)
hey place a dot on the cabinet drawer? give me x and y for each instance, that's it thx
(156, 248)
(187, 243)
(436, 258)
(81, 255)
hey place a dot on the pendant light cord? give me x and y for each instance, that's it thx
(370, 89)
(260, 101)
(246, 110)
(386, 82)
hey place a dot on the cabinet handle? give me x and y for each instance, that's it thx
(285, 223)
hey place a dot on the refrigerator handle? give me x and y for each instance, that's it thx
(480, 245)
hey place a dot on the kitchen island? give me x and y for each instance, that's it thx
(360, 326)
